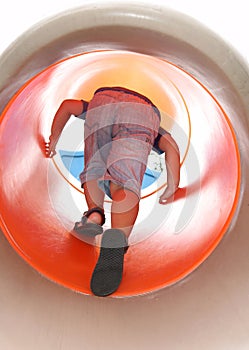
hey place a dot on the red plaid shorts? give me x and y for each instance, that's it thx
(119, 132)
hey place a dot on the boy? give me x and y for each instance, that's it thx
(121, 128)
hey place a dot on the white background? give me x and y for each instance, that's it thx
(227, 18)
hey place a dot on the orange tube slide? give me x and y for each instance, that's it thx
(40, 201)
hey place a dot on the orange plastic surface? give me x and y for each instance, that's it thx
(178, 236)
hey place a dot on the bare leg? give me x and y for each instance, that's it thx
(94, 198)
(108, 271)
(125, 206)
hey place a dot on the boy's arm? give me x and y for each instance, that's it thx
(172, 160)
(64, 112)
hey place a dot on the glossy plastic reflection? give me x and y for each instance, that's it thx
(39, 204)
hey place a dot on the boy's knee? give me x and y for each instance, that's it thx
(125, 198)
(118, 192)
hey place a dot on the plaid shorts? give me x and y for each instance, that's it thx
(120, 129)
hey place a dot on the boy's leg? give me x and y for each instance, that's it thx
(125, 207)
(94, 198)
(97, 141)
(108, 271)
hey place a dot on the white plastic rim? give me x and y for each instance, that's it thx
(155, 31)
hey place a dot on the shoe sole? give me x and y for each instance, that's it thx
(108, 271)
(88, 229)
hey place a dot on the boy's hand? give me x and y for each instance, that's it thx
(168, 193)
(50, 148)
